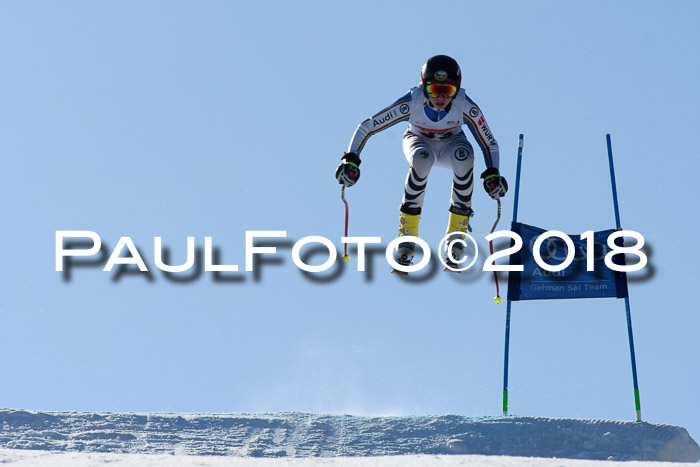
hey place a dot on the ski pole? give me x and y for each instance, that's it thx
(342, 196)
(497, 298)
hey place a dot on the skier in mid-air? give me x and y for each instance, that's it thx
(435, 111)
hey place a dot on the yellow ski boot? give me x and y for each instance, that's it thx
(458, 225)
(408, 225)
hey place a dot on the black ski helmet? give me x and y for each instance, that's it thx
(440, 69)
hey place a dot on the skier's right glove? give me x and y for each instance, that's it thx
(494, 184)
(348, 172)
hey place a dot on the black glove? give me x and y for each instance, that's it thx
(348, 172)
(495, 185)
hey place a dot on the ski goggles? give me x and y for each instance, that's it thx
(441, 89)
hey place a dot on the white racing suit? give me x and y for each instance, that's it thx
(434, 138)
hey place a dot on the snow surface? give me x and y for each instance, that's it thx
(70, 438)
(80, 459)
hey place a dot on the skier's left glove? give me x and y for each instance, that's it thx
(348, 172)
(494, 184)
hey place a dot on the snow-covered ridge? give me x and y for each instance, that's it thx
(312, 435)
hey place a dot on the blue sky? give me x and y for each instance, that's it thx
(179, 119)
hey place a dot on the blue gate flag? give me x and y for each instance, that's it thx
(536, 283)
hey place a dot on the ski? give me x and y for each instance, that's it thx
(451, 270)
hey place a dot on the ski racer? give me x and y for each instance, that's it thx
(435, 111)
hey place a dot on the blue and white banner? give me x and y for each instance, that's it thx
(536, 282)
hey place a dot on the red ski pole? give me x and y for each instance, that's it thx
(342, 196)
(497, 298)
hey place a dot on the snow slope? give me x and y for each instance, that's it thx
(80, 459)
(300, 435)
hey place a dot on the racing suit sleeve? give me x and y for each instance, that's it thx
(476, 122)
(397, 112)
